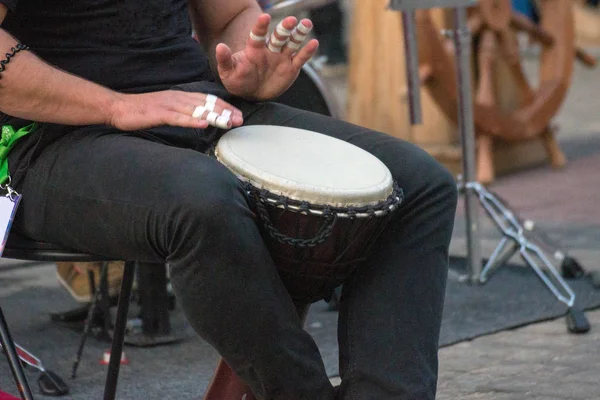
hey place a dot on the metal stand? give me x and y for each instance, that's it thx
(516, 237)
(462, 40)
(514, 234)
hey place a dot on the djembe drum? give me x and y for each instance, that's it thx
(321, 204)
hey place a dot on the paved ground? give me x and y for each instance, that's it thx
(541, 361)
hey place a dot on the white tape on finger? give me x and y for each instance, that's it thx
(298, 36)
(282, 31)
(211, 99)
(226, 113)
(294, 46)
(198, 112)
(303, 28)
(277, 42)
(274, 49)
(257, 38)
(210, 106)
(212, 118)
(222, 122)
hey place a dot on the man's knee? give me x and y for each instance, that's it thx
(420, 175)
(208, 199)
(444, 184)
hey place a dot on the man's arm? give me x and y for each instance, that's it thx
(229, 22)
(34, 90)
(31, 89)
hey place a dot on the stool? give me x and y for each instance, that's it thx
(225, 384)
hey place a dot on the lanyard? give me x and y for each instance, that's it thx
(7, 142)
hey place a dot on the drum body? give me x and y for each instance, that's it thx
(321, 203)
(311, 273)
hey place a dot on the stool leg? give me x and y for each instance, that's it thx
(88, 320)
(226, 385)
(13, 360)
(154, 299)
(112, 377)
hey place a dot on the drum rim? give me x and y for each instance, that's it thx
(379, 209)
(372, 193)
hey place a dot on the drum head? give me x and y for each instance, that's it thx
(305, 166)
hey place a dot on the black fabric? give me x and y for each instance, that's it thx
(127, 45)
(11, 4)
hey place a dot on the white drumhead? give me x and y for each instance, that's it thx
(305, 165)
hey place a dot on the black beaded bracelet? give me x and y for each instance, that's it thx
(14, 50)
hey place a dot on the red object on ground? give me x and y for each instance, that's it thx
(6, 396)
(226, 385)
(106, 358)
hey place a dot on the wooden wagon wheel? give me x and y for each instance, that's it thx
(494, 27)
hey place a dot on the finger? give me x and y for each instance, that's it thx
(258, 34)
(225, 61)
(297, 37)
(281, 34)
(218, 113)
(187, 102)
(305, 54)
(175, 118)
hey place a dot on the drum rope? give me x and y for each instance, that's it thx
(262, 197)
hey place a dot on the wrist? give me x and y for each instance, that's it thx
(113, 107)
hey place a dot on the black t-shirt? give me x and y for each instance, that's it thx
(126, 45)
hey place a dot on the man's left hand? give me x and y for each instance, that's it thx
(265, 69)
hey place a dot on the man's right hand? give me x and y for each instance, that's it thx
(170, 107)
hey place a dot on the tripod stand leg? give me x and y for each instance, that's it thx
(565, 294)
(576, 319)
(498, 257)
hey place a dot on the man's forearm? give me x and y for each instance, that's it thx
(33, 90)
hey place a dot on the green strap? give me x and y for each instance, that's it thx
(7, 142)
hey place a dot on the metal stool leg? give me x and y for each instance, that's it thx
(112, 377)
(13, 360)
(88, 320)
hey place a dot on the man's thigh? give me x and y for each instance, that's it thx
(114, 193)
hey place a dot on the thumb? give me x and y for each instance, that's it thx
(225, 62)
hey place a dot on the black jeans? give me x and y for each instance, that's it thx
(154, 196)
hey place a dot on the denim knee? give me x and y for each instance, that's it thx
(203, 206)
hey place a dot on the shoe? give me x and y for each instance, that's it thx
(73, 276)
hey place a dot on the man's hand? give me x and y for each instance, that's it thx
(263, 71)
(172, 107)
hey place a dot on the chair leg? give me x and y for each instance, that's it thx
(112, 377)
(88, 320)
(13, 360)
